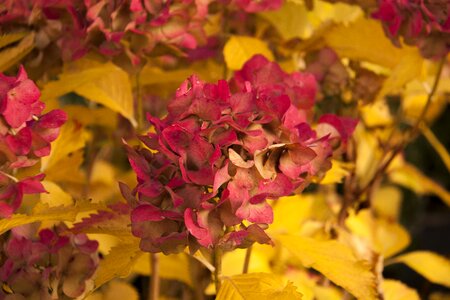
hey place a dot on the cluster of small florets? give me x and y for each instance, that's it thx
(425, 23)
(56, 265)
(222, 151)
(131, 28)
(25, 136)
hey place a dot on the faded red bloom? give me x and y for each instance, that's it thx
(55, 265)
(425, 23)
(25, 136)
(222, 152)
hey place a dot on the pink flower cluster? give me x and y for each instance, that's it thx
(222, 151)
(132, 28)
(57, 265)
(425, 23)
(25, 136)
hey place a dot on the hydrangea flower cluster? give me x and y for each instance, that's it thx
(126, 27)
(56, 265)
(222, 151)
(425, 23)
(25, 136)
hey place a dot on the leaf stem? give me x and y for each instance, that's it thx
(217, 260)
(248, 254)
(154, 278)
(140, 105)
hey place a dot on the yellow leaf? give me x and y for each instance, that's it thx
(239, 49)
(408, 68)
(291, 21)
(386, 202)
(56, 196)
(233, 261)
(410, 177)
(174, 266)
(103, 83)
(155, 75)
(71, 138)
(336, 261)
(92, 116)
(337, 172)
(440, 149)
(306, 206)
(376, 114)
(10, 38)
(365, 40)
(11, 55)
(368, 155)
(383, 236)
(118, 262)
(42, 212)
(430, 265)
(396, 290)
(256, 286)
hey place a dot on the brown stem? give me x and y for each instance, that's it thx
(248, 254)
(139, 106)
(217, 259)
(414, 131)
(154, 278)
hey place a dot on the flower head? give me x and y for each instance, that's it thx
(222, 151)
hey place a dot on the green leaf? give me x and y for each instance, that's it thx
(336, 261)
(256, 286)
(239, 49)
(430, 265)
(103, 83)
(11, 55)
(118, 262)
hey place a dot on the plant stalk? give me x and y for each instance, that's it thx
(217, 260)
(248, 254)
(154, 278)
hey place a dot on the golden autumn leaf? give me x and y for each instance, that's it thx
(56, 195)
(239, 49)
(43, 212)
(437, 145)
(396, 290)
(410, 177)
(72, 138)
(432, 266)
(337, 172)
(103, 83)
(291, 21)
(9, 38)
(256, 286)
(384, 236)
(336, 261)
(118, 262)
(12, 55)
(365, 40)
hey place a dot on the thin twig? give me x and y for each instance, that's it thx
(140, 105)
(154, 278)
(248, 254)
(217, 259)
